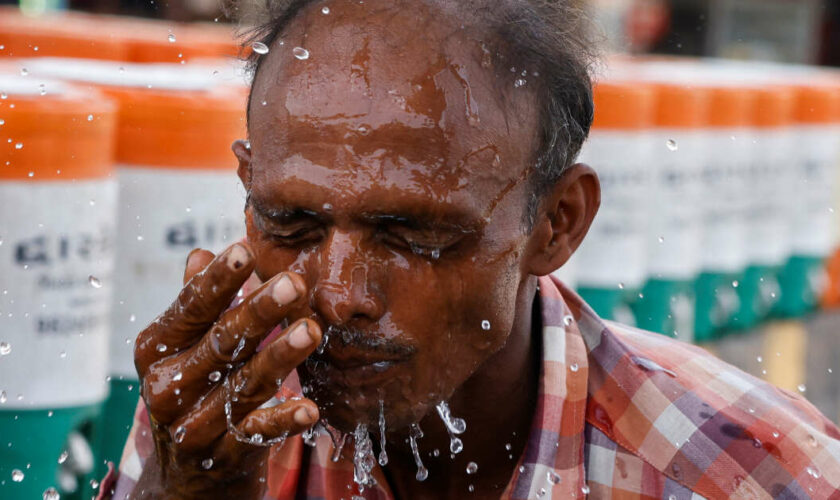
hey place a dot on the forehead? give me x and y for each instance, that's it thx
(404, 97)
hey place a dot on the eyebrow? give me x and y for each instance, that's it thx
(410, 220)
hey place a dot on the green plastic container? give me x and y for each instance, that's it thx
(667, 307)
(801, 281)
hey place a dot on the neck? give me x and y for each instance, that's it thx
(497, 402)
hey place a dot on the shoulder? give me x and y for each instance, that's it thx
(704, 423)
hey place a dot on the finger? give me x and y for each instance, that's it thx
(197, 307)
(250, 386)
(286, 419)
(238, 333)
(197, 260)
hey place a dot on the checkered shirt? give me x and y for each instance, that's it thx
(621, 414)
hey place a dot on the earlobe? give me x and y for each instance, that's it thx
(563, 219)
(242, 149)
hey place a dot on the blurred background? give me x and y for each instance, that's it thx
(716, 137)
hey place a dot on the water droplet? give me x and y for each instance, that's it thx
(300, 53)
(161, 348)
(132, 318)
(661, 239)
(62, 354)
(214, 376)
(171, 37)
(776, 434)
(94, 483)
(325, 10)
(672, 145)
(735, 284)
(508, 446)
(63, 457)
(94, 281)
(801, 388)
(51, 494)
(415, 434)
(3, 397)
(574, 367)
(180, 433)
(651, 366)
(19, 145)
(621, 286)
(207, 463)
(260, 48)
(24, 71)
(584, 489)
(813, 472)
(17, 475)
(552, 477)
(519, 82)
(257, 439)
(178, 376)
(568, 320)
(485, 325)
(472, 468)
(4, 95)
(5, 348)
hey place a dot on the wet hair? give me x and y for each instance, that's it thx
(551, 38)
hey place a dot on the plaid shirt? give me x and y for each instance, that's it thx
(621, 414)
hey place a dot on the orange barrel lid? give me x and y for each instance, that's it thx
(170, 115)
(680, 106)
(729, 106)
(54, 131)
(773, 106)
(56, 35)
(623, 105)
(816, 104)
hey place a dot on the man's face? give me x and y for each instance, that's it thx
(388, 170)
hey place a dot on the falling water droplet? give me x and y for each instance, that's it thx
(207, 463)
(363, 460)
(17, 475)
(94, 281)
(5, 348)
(383, 455)
(161, 348)
(472, 468)
(260, 48)
(568, 320)
(300, 53)
(3, 397)
(621, 286)
(735, 284)
(661, 239)
(51, 494)
(19, 145)
(178, 376)
(520, 82)
(415, 434)
(171, 37)
(672, 145)
(801, 388)
(132, 318)
(180, 432)
(63, 457)
(574, 367)
(552, 477)
(485, 325)
(215, 376)
(813, 472)
(325, 10)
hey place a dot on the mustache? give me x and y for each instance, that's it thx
(374, 343)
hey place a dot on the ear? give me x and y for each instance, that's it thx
(242, 149)
(563, 219)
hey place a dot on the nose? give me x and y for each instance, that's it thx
(344, 290)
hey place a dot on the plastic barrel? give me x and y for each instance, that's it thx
(611, 259)
(666, 303)
(57, 232)
(724, 183)
(811, 195)
(178, 191)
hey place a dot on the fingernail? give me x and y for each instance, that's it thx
(284, 291)
(189, 255)
(237, 257)
(302, 416)
(299, 337)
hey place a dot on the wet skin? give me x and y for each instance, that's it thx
(388, 179)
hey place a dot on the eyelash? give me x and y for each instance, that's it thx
(432, 252)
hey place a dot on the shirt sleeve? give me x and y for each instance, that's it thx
(138, 448)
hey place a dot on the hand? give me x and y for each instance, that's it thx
(204, 383)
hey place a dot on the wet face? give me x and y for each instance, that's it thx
(390, 170)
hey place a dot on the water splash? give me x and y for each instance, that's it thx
(256, 439)
(383, 455)
(454, 426)
(416, 433)
(51, 494)
(338, 439)
(651, 366)
(363, 459)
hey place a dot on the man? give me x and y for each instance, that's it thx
(411, 185)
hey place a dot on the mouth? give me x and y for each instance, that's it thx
(353, 368)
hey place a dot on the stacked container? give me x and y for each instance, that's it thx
(57, 235)
(611, 260)
(178, 190)
(666, 303)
